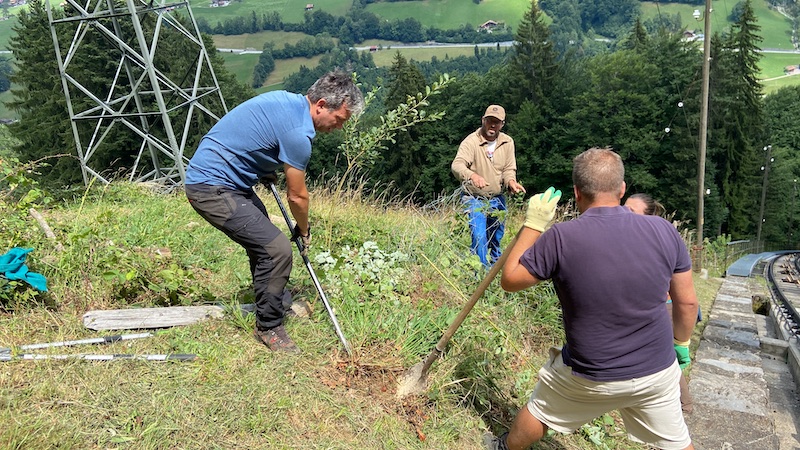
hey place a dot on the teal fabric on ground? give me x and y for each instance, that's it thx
(12, 266)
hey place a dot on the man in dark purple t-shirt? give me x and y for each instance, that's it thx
(610, 269)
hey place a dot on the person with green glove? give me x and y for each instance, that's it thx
(610, 269)
(641, 203)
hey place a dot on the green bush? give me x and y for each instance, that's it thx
(19, 192)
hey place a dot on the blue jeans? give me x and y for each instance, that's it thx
(487, 225)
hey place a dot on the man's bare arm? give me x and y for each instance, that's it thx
(297, 194)
(515, 276)
(684, 305)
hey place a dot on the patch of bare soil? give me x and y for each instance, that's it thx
(378, 381)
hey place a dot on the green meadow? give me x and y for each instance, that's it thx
(257, 40)
(449, 14)
(772, 76)
(772, 64)
(719, 17)
(774, 84)
(240, 65)
(290, 11)
(775, 28)
(384, 57)
(5, 112)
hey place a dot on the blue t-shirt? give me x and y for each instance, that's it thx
(611, 269)
(257, 137)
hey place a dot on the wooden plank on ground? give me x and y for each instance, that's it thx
(145, 318)
(168, 316)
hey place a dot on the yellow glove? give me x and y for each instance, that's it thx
(542, 209)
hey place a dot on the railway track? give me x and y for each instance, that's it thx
(783, 277)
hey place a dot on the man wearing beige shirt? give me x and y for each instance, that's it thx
(485, 165)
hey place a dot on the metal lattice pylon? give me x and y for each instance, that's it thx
(161, 113)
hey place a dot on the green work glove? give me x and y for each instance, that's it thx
(542, 209)
(682, 352)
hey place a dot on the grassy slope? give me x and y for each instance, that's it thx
(775, 28)
(384, 57)
(290, 11)
(772, 65)
(238, 394)
(4, 111)
(447, 14)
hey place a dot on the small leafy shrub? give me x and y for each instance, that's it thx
(140, 276)
(15, 294)
(159, 283)
(600, 431)
(18, 193)
(368, 269)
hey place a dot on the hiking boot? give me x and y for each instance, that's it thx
(276, 339)
(492, 442)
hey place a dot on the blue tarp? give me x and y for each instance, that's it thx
(12, 266)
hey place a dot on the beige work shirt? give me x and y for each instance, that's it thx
(498, 171)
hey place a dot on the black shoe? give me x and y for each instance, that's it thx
(276, 339)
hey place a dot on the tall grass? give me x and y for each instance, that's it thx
(399, 276)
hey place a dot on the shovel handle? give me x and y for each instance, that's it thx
(451, 330)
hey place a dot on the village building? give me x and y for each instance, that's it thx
(487, 26)
(792, 70)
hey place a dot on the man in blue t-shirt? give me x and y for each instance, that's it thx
(610, 269)
(264, 134)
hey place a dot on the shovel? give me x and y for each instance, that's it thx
(311, 270)
(414, 380)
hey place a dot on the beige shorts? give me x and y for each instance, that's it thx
(650, 406)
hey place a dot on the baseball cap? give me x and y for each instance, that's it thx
(495, 111)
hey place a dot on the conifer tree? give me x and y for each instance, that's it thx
(533, 63)
(736, 123)
(637, 37)
(402, 160)
(37, 96)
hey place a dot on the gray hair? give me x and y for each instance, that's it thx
(337, 88)
(598, 170)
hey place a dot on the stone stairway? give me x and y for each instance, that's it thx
(745, 396)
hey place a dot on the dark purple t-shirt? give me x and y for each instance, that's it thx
(611, 269)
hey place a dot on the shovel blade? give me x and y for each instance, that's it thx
(413, 381)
